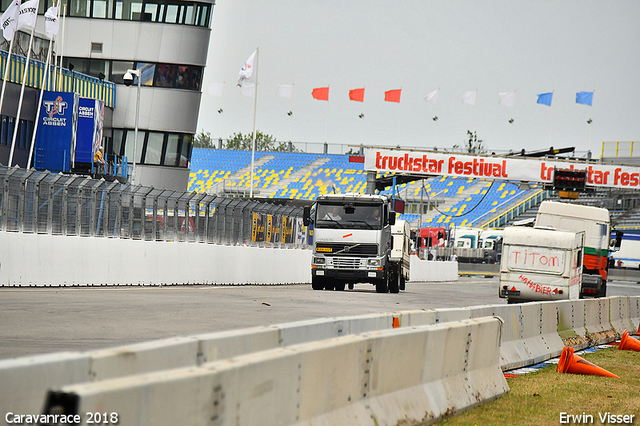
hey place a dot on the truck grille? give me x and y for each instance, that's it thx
(345, 263)
(341, 249)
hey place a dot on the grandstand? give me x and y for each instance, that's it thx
(446, 201)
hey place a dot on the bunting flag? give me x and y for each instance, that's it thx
(246, 74)
(392, 95)
(507, 99)
(545, 98)
(285, 91)
(28, 14)
(357, 95)
(469, 98)
(10, 20)
(584, 98)
(320, 93)
(51, 22)
(432, 97)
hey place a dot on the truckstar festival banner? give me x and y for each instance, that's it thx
(490, 167)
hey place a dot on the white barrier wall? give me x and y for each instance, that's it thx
(384, 377)
(431, 270)
(52, 260)
(37, 260)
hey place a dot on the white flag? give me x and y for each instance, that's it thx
(469, 98)
(432, 97)
(285, 91)
(507, 99)
(51, 22)
(215, 89)
(247, 73)
(10, 20)
(248, 90)
(28, 14)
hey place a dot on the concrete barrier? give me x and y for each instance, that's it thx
(25, 381)
(431, 270)
(41, 260)
(529, 334)
(385, 377)
(619, 315)
(596, 321)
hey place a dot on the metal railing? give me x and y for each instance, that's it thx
(61, 204)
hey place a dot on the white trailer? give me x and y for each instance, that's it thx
(540, 264)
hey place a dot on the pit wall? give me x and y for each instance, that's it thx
(530, 333)
(50, 260)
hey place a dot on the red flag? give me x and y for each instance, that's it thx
(356, 95)
(392, 95)
(321, 93)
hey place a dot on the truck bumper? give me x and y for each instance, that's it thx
(348, 274)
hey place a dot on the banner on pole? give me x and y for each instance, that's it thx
(55, 141)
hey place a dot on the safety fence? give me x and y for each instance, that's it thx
(59, 204)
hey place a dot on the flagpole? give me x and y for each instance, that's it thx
(16, 127)
(399, 109)
(45, 77)
(64, 19)
(253, 139)
(326, 126)
(551, 126)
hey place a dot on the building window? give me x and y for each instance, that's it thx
(154, 148)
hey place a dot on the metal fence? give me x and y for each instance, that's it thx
(60, 204)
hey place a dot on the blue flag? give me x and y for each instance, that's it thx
(584, 98)
(545, 98)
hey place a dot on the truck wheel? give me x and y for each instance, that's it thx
(381, 286)
(403, 283)
(603, 291)
(317, 283)
(329, 285)
(351, 286)
(339, 287)
(394, 283)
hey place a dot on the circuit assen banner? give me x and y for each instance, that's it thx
(528, 170)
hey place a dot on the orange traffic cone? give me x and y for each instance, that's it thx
(628, 343)
(637, 333)
(573, 364)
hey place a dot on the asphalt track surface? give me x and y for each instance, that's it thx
(43, 320)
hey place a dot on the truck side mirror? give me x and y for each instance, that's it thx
(306, 215)
(392, 218)
(618, 241)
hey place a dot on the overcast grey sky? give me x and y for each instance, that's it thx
(456, 46)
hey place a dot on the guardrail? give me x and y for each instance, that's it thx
(336, 351)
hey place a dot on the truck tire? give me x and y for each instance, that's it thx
(403, 282)
(339, 286)
(381, 286)
(394, 283)
(329, 284)
(351, 285)
(317, 283)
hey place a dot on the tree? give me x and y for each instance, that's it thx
(264, 142)
(473, 145)
(203, 140)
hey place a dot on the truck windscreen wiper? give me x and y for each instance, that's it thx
(363, 221)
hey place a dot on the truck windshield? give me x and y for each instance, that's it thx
(338, 215)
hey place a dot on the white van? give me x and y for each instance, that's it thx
(540, 264)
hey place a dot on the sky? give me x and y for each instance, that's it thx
(419, 46)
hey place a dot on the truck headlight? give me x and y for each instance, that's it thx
(318, 260)
(373, 262)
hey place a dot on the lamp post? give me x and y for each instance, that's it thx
(128, 80)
